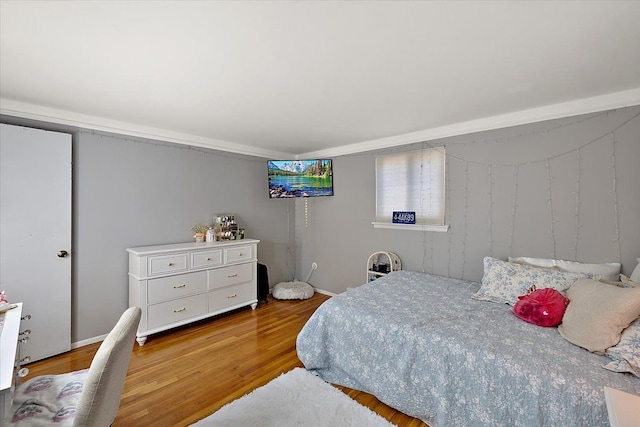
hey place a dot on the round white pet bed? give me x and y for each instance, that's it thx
(292, 290)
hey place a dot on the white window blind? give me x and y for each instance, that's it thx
(411, 181)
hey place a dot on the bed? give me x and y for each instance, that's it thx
(422, 344)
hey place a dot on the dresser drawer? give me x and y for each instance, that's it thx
(167, 264)
(232, 275)
(174, 311)
(220, 299)
(238, 254)
(206, 258)
(173, 287)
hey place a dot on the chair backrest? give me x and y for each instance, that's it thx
(105, 381)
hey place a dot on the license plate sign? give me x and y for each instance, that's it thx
(404, 217)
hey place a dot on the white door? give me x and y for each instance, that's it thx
(35, 234)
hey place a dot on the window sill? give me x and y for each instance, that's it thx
(414, 227)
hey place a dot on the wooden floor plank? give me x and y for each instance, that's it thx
(181, 376)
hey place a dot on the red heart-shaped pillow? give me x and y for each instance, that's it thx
(542, 307)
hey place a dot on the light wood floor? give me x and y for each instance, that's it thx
(181, 376)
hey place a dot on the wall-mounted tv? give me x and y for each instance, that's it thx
(300, 178)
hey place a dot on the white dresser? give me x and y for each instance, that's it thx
(181, 283)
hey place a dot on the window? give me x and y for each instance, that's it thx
(411, 181)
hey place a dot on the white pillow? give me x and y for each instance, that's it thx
(635, 276)
(607, 271)
(506, 281)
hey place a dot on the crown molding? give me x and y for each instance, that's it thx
(52, 115)
(594, 104)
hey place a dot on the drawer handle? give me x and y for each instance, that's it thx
(170, 264)
(232, 275)
(179, 310)
(240, 254)
(23, 372)
(208, 259)
(179, 286)
(232, 296)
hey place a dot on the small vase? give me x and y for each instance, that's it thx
(199, 237)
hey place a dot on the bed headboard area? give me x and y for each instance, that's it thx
(570, 189)
(565, 189)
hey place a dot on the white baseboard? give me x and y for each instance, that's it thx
(323, 292)
(88, 341)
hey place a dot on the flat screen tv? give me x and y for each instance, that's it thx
(300, 178)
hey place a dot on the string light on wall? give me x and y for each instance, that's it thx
(514, 207)
(424, 234)
(510, 139)
(533, 162)
(615, 193)
(449, 212)
(460, 222)
(291, 244)
(577, 194)
(427, 248)
(429, 251)
(466, 210)
(550, 202)
(306, 222)
(431, 202)
(490, 177)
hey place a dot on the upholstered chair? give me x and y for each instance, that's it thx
(88, 398)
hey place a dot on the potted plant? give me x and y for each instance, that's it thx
(199, 230)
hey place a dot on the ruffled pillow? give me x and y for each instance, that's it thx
(506, 281)
(626, 354)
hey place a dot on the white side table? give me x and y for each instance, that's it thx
(391, 260)
(9, 333)
(623, 408)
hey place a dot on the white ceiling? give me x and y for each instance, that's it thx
(282, 79)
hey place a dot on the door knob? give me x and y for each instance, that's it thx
(62, 253)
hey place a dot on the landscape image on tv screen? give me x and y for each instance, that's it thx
(300, 178)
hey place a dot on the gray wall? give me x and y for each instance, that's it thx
(132, 192)
(516, 191)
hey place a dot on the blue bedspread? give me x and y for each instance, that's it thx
(420, 344)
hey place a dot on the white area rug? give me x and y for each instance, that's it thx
(297, 398)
